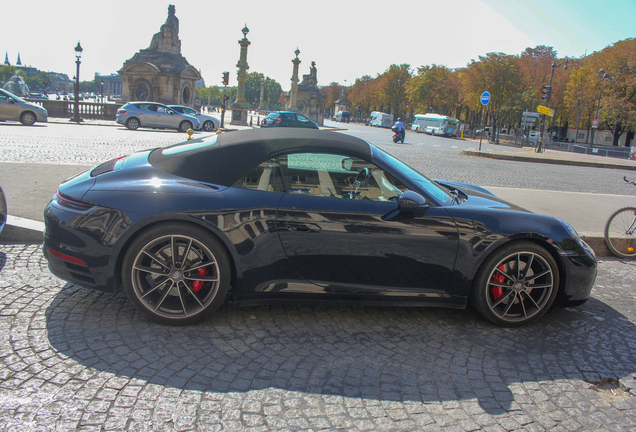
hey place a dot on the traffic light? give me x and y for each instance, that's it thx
(44, 84)
(547, 92)
(226, 78)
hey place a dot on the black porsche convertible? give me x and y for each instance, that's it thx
(293, 215)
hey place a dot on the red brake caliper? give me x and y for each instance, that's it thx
(497, 291)
(197, 284)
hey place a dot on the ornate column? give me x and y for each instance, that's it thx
(293, 94)
(240, 108)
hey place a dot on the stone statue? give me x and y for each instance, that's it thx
(167, 39)
(312, 78)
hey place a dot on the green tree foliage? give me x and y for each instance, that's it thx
(434, 89)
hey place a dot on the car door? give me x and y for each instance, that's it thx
(341, 230)
(166, 117)
(303, 121)
(147, 114)
(9, 108)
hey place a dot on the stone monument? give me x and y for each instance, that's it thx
(305, 97)
(160, 73)
(341, 104)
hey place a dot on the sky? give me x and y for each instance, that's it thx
(347, 38)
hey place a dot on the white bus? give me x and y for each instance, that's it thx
(435, 124)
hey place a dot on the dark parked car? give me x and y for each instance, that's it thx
(296, 215)
(287, 119)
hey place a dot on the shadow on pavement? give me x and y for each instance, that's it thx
(387, 354)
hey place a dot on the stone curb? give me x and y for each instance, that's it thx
(21, 230)
(547, 161)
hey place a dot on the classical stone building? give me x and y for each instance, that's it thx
(309, 101)
(341, 104)
(160, 73)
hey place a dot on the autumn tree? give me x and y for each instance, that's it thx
(434, 89)
(619, 91)
(393, 82)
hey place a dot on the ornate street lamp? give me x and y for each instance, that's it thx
(604, 75)
(78, 55)
(548, 94)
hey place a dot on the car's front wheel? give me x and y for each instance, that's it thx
(27, 118)
(132, 123)
(185, 125)
(176, 274)
(517, 284)
(208, 126)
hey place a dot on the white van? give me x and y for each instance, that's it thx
(381, 119)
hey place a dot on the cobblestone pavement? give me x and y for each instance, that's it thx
(75, 359)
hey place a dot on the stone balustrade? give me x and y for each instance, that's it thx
(87, 110)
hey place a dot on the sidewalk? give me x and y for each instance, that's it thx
(556, 157)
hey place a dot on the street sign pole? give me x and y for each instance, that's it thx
(485, 99)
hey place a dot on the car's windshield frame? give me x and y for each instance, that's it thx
(12, 96)
(411, 176)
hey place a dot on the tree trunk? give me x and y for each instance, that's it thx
(617, 132)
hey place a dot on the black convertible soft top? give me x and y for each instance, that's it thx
(236, 153)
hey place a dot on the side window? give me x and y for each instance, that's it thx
(265, 177)
(302, 118)
(338, 176)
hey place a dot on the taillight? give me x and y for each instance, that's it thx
(121, 111)
(70, 202)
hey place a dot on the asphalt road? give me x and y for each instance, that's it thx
(440, 158)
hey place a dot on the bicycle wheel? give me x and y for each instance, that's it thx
(620, 233)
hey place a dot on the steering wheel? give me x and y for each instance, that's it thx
(361, 180)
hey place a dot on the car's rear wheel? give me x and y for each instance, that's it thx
(185, 125)
(27, 118)
(132, 123)
(176, 274)
(208, 126)
(517, 284)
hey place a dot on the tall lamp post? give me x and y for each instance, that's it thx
(78, 54)
(102, 91)
(604, 75)
(548, 94)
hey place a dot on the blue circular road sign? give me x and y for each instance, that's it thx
(485, 98)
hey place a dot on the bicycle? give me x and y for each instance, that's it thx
(620, 231)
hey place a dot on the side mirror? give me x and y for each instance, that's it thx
(347, 164)
(411, 200)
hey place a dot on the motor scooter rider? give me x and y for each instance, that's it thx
(400, 128)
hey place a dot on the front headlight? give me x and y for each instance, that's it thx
(571, 231)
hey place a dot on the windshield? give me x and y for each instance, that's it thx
(12, 96)
(415, 178)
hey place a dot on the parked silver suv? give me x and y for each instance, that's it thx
(15, 108)
(134, 115)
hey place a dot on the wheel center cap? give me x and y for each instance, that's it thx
(518, 286)
(177, 275)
